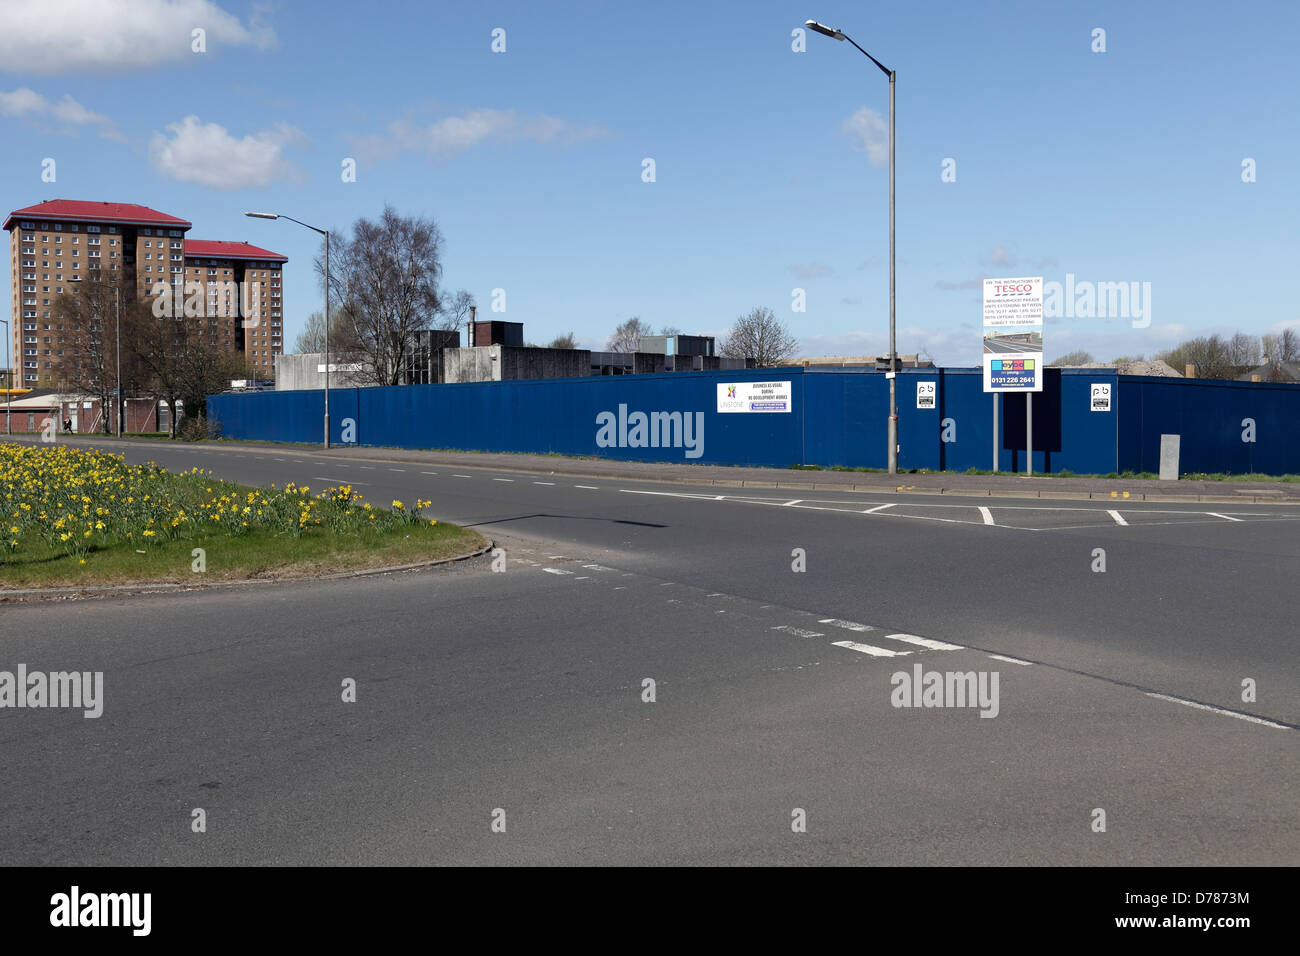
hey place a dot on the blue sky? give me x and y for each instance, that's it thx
(1117, 166)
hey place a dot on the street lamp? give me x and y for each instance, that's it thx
(9, 385)
(325, 233)
(893, 354)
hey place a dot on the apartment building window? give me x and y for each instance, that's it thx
(145, 232)
(29, 225)
(29, 314)
(92, 229)
(75, 239)
(58, 239)
(29, 263)
(92, 242)
(58, 227)
(175, 232)
(29, 237)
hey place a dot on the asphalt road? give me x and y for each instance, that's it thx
(774, 689)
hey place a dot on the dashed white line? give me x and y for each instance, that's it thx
(397, 469)
(428, 472)
(871, 511)
(556, 571)
(543, 482)
(1119, 519)
(1012, 660)
(1219, 710)
(869, 649)
(986, 515)
(797, 631)
(503, 479)
(462, 476)
(344, 480)
(587, 487)
(924, 642)
(847, 625)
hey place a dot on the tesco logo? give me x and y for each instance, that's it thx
(1023, 287)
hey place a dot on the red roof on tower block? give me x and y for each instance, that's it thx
(88, 211)
(217, 249)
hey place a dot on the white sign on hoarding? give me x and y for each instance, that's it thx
(1100, 397)
(1013, 335)
(755, 397)
(927, 394)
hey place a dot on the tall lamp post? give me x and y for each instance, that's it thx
(9, 383)
(325, 233)
(893, 354)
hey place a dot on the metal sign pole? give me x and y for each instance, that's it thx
(1029, 433)
(995, 432)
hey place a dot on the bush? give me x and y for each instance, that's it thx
(198, 429)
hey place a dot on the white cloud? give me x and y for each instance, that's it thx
(870, 134)
(207, 154)
(33, 108)
(70, 36)
(813, 270)
(451, 135)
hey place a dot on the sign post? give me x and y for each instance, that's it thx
(1013, 348)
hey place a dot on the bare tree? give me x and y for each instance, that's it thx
(1078, 357)
(567, 341)
(88, 338)
(1244, 350)
(627, 337)
(311, 338)
(1211, 356)
(671, 330)
(386, 277)
(760, 335)
(454, 312)
(1283, 347)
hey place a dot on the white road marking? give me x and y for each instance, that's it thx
(583, 577)
(556, 571)
(428, 472)
(1119, 519)
(1219, 710)
(869, 649)
(503, 479)
(543, 482)
(1224, 517)
(795, 502)
(397, 469)
(462, 476)
(986, 514)
(797, 631)
(924, 642)
(367, 467)
(277, 459)
(344, 480)
(596, 567)
(847, 625)
(1011, 660)
(871, 511)
(587, 487)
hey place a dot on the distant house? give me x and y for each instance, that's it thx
(1273, 372)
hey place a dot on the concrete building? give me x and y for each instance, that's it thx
(878, 362)
(306, 370)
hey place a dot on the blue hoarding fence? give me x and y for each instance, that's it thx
(1086, 421)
